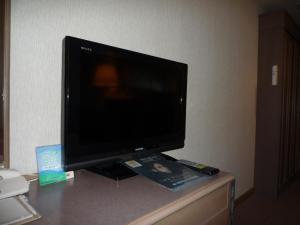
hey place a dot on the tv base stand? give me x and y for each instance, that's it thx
(115, 171)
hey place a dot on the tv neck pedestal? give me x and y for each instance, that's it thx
(117, 171)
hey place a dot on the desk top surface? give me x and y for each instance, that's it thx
(93, 199)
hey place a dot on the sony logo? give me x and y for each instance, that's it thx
(139, 149)
(86, 48)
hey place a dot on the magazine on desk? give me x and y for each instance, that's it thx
(169, 174)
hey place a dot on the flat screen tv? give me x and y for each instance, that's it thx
(118, 103)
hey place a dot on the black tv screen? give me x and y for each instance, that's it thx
(118, 102)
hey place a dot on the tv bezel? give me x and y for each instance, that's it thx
(71, 53)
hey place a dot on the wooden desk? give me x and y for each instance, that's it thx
(96, 200)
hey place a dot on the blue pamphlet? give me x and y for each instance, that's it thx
(169, 174)
(49, 164)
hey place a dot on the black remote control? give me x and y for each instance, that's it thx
(208, 170)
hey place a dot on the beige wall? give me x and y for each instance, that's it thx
(218, 40)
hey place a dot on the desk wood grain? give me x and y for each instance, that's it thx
(93, 199)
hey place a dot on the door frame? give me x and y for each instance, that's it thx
(6, 79)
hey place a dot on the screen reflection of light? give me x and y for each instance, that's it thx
(107, 78)
(106, 75)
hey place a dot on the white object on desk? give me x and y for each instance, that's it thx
(12, 183)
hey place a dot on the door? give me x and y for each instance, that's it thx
(1, 77)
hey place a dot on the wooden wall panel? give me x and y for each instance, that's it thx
(293, 146)
(288, 146)
(268, 119)
(278, 107)
(297, 152)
